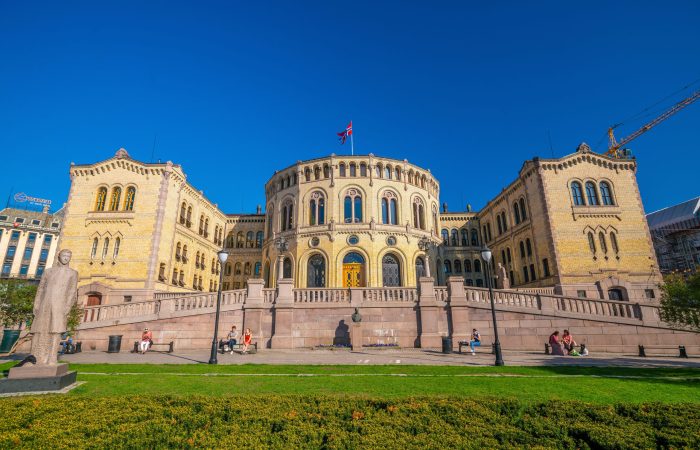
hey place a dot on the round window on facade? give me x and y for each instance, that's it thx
(315, 241)
(391, 240)
(353, 240)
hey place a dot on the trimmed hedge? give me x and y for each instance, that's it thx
(339, 422)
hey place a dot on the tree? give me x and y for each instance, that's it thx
(680, 300)
(75, 315)
(16, 302)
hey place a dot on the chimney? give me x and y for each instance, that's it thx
(258, 210)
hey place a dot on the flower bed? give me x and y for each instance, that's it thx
(275, 421)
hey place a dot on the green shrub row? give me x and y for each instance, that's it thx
(339, 422)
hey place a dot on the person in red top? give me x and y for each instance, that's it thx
(146, 339)
(247, 338)
(555, 343)
(568, 341)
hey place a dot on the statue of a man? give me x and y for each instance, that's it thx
(55, 297)
(503, 281)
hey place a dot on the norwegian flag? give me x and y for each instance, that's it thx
(345, 134)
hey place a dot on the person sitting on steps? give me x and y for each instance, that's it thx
(475, 341)
(232, 338)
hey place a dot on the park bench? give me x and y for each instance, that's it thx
(466, 344)
(73, 347)
(170, 345)
(681, 350)
(547, 348)
(252, 348)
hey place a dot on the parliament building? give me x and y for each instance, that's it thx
(573, 225)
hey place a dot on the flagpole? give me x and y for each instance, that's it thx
(352, 145)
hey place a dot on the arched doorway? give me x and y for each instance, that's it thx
(353, 270)
(316, 272)
(94, 299)
(420, 269)
(391, 271)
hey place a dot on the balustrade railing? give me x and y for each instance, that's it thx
(609, 308)
(441, 294)
(321, 295)
(390, 294)
(269, 295)
(109, 312)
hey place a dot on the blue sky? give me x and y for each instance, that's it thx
(234, 90)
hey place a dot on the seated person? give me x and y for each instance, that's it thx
(568, 341)
(232, 338)
(555, 343)
(66, 343)
(475, 341)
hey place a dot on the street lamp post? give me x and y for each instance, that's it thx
(223, 256)
(486, 256)
(424, 245)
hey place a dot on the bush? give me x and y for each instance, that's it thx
(339, 422)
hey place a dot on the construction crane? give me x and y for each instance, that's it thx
(614, 146)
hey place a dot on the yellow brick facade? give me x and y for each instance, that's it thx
(331, 219)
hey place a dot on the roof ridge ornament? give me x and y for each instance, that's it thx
(583, 148)
(122, 153)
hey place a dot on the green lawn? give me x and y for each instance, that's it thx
(529, 384)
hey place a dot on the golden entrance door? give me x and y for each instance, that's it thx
(352, 275)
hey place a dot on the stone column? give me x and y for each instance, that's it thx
(459, 310)
(283, 315)
(427, 303)
(356, 335)
(253, 309)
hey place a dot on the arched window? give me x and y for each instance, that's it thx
(378, 170)
(246, 268)
(475, 238)
(130, 197)
(189, 217)
(353, 206)
(603, 244)
(445, 236)
(317, 173)
(341, 169)
(101, 199)
(591, 194)
(606, 193)
(477, 266)
(522, 249)
(287, 216)
(256, 269)
(458, 266)
(363, 169)
(353, 170)
(503, 256)
(227, 269)
(183, 213)
(528, 245)
(237, 268)
(397, 172)
(465, 238)
(326, 171)
(307, 174)
(516, 213)
(117, 243)
(196, 260)
(389, 206)
(105, 249)
(498, 223)
(201, 224)
(454, 237)
(591, 243)
(258, 239)
(316, 272)
(508, 254)
(467, 266)
(387, 172)
(206, 227)
(523, 211)
(93, 252)
(613, 243)
(488, 230)
(249, 240)
(240, 240)
(435, 220)
(448, 266)
(114, 200)
(270, 218)
(418, 213)
(391, 271)
(504, 221)
(577, 193)
(420, 268)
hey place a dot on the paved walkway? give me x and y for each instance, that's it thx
(379, 357)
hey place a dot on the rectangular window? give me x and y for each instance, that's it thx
(24, 269)
(47, 239)
(36, 222)
(44, 254)
(3, 218)
(545, 267)
(31, 239)
(15, 236)
(19, 219)
(581, 293)
(6, 268)
(649, 293)
(127, 299)
(11, 250)
(40, 271)
(54, 225)
(27, 253)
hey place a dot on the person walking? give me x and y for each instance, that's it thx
(247, 338)
(475, 341)
(146, 339)
(232, 338)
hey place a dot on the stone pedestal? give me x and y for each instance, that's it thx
(356, 336)
(31, 378)
(283, 313)
(459, 310)
(429, 336)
